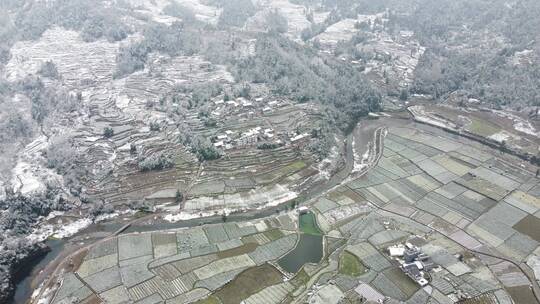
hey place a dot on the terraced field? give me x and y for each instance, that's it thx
(245, 178)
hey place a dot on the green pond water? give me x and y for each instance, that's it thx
(308, 224)
(309, 248)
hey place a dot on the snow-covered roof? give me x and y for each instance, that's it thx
(298, 137)
(396, 251)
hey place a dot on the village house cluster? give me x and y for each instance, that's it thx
(263, 136)
(414, 263)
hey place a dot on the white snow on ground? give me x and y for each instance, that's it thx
(122, 101)
(500, 136)
(421, 115)
(207, 206)
(404, 50)
(24, 179)
(525, 127)
(523, 57)
(153, 9)
(327, 294)
(274, 200)
(29, 175)
(340, 31)
(319, 17)
(183, 215)
(61, 231)
(337, 214)
(295, 15)
(345, 29)
(266, 196)
(40, 233)
(360, 161)
(54, 214)
(72, 228)
(363, 162)
(204, 13)
(93, 138)
(325, 166)
(46, 296)
(520, 124)
(75, 59)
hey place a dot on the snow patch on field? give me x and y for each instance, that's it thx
(524, 57)
(72, 228)
(421, 115)
(520, 124)
(204, 13)
(500, 136)
(61, 231)
(153, 9)
(279, 197)
(24, 179)
(92, 138)
(295, 15)
(340, 31)
(337, 214)
(525, 127)
(122, 101)
(29, 175)
(320, 17)
(75, 59)
(185, 215)
(254, 200)
(46, 296)
(267, 196)
(325, 166)
(360, 163)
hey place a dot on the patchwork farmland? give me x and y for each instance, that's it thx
(269, 151)
(474, 214)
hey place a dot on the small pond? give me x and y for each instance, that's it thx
(308, 224)
(309, 248)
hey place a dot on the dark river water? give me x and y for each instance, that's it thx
(23, 289)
